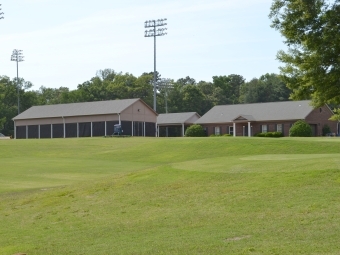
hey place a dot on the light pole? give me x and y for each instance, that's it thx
(153, 33)
(166, 85)
(1, 17)
(17, 57)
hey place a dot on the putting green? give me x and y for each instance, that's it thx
(263, 163)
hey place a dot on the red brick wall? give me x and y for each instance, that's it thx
(319, 117)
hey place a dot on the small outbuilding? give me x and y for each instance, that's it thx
(174, 124)
(249, 119)
(86, 119)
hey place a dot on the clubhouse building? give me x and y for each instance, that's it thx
(92, 119)
(249, 119)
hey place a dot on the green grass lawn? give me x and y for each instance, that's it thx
(220, 195)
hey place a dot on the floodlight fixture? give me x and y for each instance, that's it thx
(153, 32)
(17, 57)
(1, 13)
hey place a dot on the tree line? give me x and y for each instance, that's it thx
(183, 95)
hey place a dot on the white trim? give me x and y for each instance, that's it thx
(15, 131)
(183, 129)
(64, 129)
(217, 130)
(249, 129)
(234, 129)
(119, 119)
(277, 130)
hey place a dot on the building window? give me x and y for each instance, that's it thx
(231, 130)
(217, 131)
(279, 128)
(264, 128)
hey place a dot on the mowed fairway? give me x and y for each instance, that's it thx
(219, 195)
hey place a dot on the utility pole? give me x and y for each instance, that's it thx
(1, 13)
(153, 24)
(17, 57)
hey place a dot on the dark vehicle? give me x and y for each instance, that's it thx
(117, 129)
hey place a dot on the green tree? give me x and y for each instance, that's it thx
(9, 101)
(230, 86)
(312, 62)
(193, 99)
(268, 88)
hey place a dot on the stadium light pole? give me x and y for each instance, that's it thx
(17, 57)
(1, 13)
(153, 24)
(166, 85)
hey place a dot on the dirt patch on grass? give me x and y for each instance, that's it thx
(237, 238)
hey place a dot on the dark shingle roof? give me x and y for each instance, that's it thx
(289, 110)
(175, 118)
(76, 109)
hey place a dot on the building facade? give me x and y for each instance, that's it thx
(86, 119)
(250, 119)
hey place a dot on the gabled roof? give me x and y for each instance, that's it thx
(244, 117)
(289, 110)
(176, 118)
(77, 109)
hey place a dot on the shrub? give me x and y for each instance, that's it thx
(195, 131)
(326, 130)
(300, 129)
(269, 134)
(227, 135)
(213, 135)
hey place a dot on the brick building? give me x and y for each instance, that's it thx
(249, 119)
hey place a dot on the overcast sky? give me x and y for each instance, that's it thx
(65, 42)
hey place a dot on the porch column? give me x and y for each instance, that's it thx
(91, 129)
(234, 129)
(249, 130)
(157, 131)
(39, 131)
(183, 129)
(144, 128)
(132, 128)
(64, 127)
(51, 131)
(26, 132)
(105, 128)
(77, 129)
(119, 119)
(15, 131)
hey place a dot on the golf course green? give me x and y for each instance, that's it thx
(210, 195)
